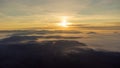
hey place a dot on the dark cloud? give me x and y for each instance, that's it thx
(92, 33)
(55, 54)
(103, 27)
(19, 39)
(40, 32)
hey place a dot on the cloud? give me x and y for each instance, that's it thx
(43, 6)
(103, 27)
(40, 32)
(52, 7)
(97, 26)
(92, 33)
(18, 39)
(55, 54)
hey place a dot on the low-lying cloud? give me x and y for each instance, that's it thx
(55, 54)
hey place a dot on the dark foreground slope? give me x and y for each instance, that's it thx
(55, 54)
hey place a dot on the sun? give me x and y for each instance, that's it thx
(64, 22)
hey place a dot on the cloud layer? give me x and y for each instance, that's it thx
(55, 54)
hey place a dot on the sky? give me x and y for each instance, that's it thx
(18, 14)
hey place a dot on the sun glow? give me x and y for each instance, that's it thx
(64, 22)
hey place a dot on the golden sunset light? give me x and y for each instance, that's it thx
(64, 22)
